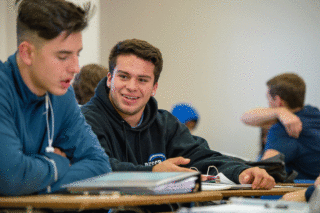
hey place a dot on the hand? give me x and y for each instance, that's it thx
(297, 196)
(59, 152)
(291, 122)
(172, 165)
(259, 178)
(317, 182)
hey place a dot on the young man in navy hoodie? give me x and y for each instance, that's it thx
(295, 130)
(138, 136)
(44, 139)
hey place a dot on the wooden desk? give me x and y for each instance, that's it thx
(247, 193)
(296, 184)
(83, 202)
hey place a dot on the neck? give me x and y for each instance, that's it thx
(296, 109)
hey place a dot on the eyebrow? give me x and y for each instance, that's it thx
(67, 52)
(140, 76)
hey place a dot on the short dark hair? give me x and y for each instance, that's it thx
(289, 87)
(86, 81)
(48, 18)
(139, 48)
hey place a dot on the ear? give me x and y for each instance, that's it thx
(26, 52)
(278, 101)
(154, 90)
(109, 79)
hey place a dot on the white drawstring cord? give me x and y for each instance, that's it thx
(49, 148)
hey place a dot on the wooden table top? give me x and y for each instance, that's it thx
(82, 202)
(245, 193)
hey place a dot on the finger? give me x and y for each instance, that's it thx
(246, 179)
(266, 183)
(204, 178)
(179, 160)
(257, 180)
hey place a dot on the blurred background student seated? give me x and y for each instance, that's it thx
(86, 81)
(186, 114)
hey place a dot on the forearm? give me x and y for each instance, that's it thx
(261, 116)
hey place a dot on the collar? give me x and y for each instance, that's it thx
(141, 119)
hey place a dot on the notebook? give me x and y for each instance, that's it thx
(148, 183)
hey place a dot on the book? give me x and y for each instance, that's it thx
(139, 183)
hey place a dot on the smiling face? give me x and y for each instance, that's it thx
(131, 86)
(52, 65)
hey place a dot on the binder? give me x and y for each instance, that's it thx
(139, 183)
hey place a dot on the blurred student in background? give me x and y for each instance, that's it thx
(186, 114)
(263, 140)
(87, 80)
(295, 130)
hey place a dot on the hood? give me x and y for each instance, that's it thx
(26, 95)
(102, 101)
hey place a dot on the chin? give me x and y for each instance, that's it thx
(59, 92)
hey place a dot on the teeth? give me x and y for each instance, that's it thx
(132, 98)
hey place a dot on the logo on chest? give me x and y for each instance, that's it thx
(155, 159)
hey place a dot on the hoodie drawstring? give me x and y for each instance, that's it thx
(125, 140)
(49, 148)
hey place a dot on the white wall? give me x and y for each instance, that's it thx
(219, 54)
(3, 31)
(91, 36)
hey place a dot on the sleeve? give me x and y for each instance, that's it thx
(103, 134)
(20, 172)
(309, 192)
(25, 173)
(182, 143)
(280, 141)
(81, 146)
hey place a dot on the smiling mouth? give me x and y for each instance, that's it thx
(130, 98)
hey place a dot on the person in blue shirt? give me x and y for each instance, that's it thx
(295, 129)
(186, 114)
(45, 141)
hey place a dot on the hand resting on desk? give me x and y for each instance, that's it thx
(172, 165)
(259, 178)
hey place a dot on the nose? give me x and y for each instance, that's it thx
(132, 84)
(74, 65)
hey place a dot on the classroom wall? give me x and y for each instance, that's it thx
(219, 54)
(3, 34)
